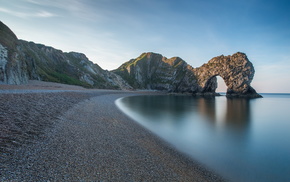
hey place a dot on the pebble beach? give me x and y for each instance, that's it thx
(57, 132)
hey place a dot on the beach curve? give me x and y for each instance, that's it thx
(94, 141)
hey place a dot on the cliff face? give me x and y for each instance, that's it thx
(153, 71)
(49, 64)
(21, 60)
(12, 68)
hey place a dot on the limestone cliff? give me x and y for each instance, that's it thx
(12, 68)
(49, 64)
(236, 70)
(21, 60)
(153, 71)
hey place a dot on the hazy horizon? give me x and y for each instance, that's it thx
(113, 32)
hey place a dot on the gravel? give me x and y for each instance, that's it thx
(82, 136)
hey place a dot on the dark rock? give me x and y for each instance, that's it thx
(12, 68)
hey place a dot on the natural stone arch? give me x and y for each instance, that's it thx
(236, 71)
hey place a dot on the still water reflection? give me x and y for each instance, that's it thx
(243, 140)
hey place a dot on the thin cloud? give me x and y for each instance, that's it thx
(44, 14)
(34, 2)
(69, 8)
(39, 14)
(13, 13)
(4, 10)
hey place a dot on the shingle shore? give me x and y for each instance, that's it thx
(82, 136)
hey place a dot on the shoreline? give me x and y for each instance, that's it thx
(90, 139)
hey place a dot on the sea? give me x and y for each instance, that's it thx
(240, 139)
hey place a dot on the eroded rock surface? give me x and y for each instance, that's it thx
(12, 68)
(236, 70)
(153, 71)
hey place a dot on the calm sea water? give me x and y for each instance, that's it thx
(241, 139)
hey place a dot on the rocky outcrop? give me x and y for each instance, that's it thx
(21, 60)
(12, 68)
(3, 62)
(236, 70)
(153, 71)
(49, 64)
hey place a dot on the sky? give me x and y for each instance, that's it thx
(111, 32)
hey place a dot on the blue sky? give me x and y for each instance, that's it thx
(111, 32)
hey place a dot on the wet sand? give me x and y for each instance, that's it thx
(80, 135)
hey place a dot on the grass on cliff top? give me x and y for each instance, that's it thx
(132, 62)
(61, 78)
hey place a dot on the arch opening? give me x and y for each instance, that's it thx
(221, 85)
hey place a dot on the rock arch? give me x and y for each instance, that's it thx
(236, 71)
